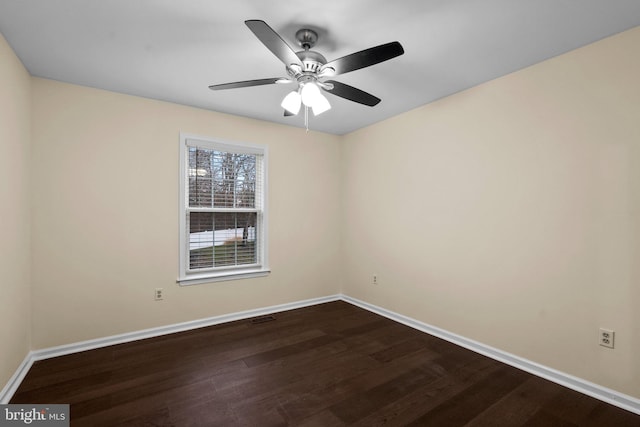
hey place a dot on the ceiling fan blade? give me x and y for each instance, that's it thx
(246, 83)
(364, 58)
(353, 94)
(273, 42)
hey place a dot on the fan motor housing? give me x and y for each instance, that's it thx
(311, 61)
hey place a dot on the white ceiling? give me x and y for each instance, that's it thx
(172, 50)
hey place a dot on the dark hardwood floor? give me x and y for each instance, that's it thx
(332, 364)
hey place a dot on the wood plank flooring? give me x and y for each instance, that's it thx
(328, 365)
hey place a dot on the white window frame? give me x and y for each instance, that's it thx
(187, 277)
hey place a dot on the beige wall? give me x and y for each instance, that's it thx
(105, 213)
(15, 235)
(509, 213)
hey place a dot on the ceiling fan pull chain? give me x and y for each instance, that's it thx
(306, 117)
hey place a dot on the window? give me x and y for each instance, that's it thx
(222, 210)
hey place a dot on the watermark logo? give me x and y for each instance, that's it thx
(34, 415)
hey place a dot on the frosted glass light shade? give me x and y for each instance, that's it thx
(292, 102)
(312, 97)
(320, 105)
(310, 93)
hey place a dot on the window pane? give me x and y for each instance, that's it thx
(221, 179)
(200, 177)
(221, 239)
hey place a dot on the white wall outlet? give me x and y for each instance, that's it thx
(606, 337)
(374, 279)
(159, 294)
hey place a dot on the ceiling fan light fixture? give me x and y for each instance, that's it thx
(320, 105)
(312, 97)
(292, 102)
(310, 93)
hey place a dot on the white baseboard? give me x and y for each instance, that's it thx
(594, 390)
(578, 384)
(178, 327)
(16, 379)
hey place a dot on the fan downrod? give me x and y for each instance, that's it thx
(306, 38)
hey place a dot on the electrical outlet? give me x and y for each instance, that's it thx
(374, 279)
(606, 337)
(159, 294)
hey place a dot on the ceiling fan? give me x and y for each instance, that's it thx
(311, 71)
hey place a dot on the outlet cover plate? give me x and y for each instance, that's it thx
(606, 337)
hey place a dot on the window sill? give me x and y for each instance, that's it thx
(197, 279)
